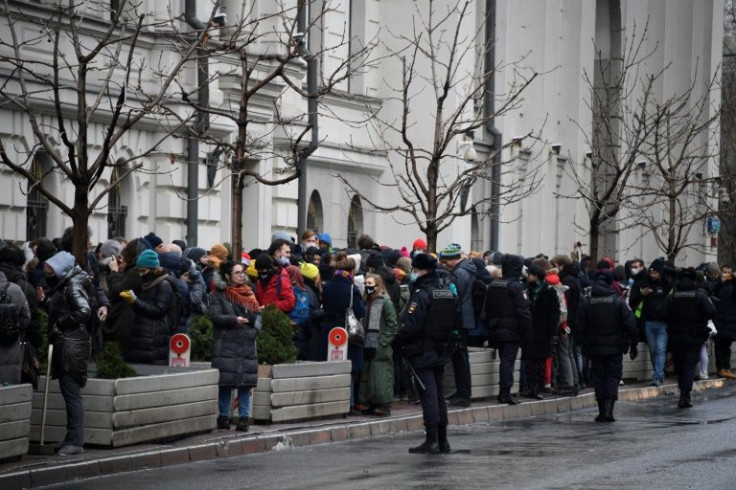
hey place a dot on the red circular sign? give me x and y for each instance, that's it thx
(179, 343)
(338, 336)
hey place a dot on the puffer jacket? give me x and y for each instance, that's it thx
(17, 276)
(69, 316)
(149, 334)
(234, 350)
(273, 293)
(464, 275)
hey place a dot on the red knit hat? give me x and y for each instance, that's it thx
(419, 243)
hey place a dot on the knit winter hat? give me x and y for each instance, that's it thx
(219, 251)
(148, 259)
(657, 265)
(153, 240)
(452, 251)
(108, 249)
(309, 271)
(245, 259)
(264, 262)
(419, 243)
(537, 270)
(325, 237)
(195, 253)
(374, 260)
(61, 263)
(603, 265)
(251, 270)
(424, 262)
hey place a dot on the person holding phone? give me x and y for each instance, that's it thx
(647, 298)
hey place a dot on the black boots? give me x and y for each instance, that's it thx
(430, 445)
(242, 424)
(684, 400)
(601, 411)
(442, 440)
(608, 410)
(506, 397)
(223, 422)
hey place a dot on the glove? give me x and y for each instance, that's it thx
(369, 353)
(634, 352)
(128, 296)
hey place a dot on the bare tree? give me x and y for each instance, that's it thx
(426, 178)
(92, 76)
(263, 56)
(677, 192)
(727, 188)
(620, 90)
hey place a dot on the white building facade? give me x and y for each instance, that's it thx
(558, 39)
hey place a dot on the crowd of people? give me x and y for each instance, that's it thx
(571, 320)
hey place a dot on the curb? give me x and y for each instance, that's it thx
(160, 458)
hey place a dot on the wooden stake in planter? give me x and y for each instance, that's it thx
(40, 448)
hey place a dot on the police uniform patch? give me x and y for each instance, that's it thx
(412, 307)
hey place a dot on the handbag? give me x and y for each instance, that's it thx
(356, 333)
(30, 367)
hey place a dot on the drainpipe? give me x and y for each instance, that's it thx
(489, 109)
(201, 125)
(312, 67)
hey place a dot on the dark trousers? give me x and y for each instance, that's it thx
(507, 352)
(686, 356)
(434, 407)
(535, 375)
(723, 353)
(71, 390)
(606, 372)
(461, 366)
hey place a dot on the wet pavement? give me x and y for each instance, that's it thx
(653, 445)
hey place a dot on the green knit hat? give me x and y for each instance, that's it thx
(452, 251)
(148, 259)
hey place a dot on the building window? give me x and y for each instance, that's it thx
(37, 206)
(116, 211)
(315, 217)
(355, 222)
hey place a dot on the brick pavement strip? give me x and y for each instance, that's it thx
(57, 470)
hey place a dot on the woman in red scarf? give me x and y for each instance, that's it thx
(235, 316)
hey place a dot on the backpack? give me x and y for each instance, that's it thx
(300, 313)
(9, 322)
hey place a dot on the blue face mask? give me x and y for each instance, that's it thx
(283, 261)
(413, 277)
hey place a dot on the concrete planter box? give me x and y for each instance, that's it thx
(641, 368)
(484, 374)
(161, 403)
(303, 390)
(15, 420)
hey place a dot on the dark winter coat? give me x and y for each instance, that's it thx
(508, 318)
(11, 356)
(687, 312)
(725, 320)
(606, 325)
(234, 346)
(69, 316)
(545, 310)
(377, 381)
(117, 327)
(464, 275)
(422, 352)
(651, 309)
(335, 300)
(15, 275)
(149, 335)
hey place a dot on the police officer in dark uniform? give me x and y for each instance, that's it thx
(687, 312)
(607, 328)
(431, 316)
(509, 321)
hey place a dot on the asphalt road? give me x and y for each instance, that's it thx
(653, 445)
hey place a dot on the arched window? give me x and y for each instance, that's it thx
(117, 213)
(37, 206)
(315, 217)
(355, 222)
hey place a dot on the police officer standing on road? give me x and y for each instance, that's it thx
(431, 316)
(687, 312)
(607, 326)
(509, 321)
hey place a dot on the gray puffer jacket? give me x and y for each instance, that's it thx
(10, 353)
(234, 347)
(464, 275)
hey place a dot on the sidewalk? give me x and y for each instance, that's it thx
(33, 471)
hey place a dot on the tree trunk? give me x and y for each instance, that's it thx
(237, 219)
(595, 237)
(80, 223)
(431, 238)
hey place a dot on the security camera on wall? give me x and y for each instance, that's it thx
(220, 17)
(556, 148)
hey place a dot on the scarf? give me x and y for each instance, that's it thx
(243, 296)
(375, 310)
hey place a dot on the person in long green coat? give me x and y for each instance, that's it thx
(377, 379)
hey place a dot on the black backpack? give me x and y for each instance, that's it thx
(9, 323)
